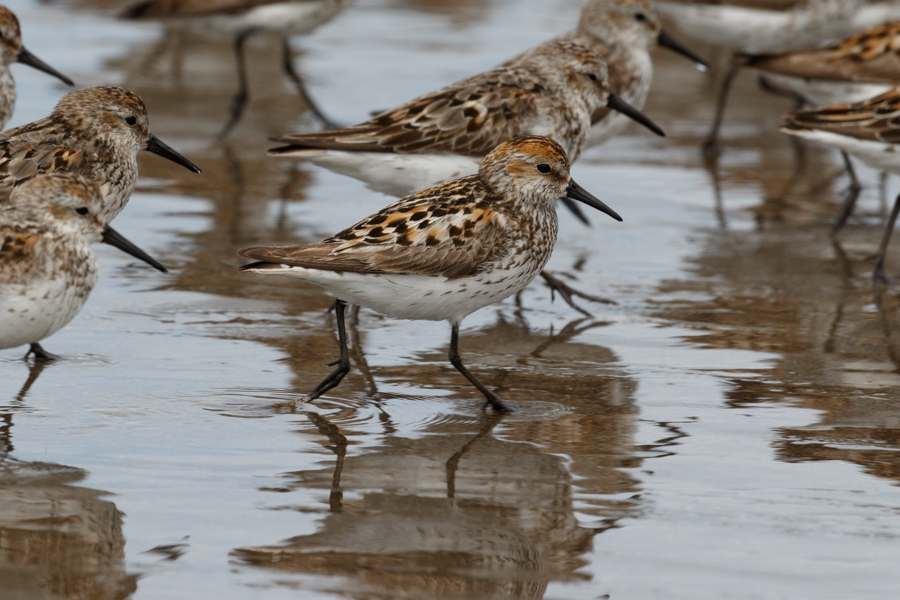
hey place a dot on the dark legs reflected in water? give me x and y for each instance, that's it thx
(711, 146)
(850, 197)
(239, 101)
(490, 421)
(339, 447)
(879, 277)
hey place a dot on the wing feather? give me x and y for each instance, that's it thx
(470, 117)
(448, 231)
(877, 119)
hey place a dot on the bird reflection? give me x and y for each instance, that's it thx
(794, 292)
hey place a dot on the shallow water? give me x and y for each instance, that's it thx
(729, 429)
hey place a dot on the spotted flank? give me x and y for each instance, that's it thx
(876, 120)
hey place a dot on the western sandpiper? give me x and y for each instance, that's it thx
(869, 130)
(11, 51)
(47, 267)
(858, 68)
(241, 19)
(444, 253)
(624, 32)
(757, 27)
(96, 132)
(551, 90)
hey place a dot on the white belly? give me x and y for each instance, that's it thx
(755, 31)
(31, 313)
(827, 93)
(282, 17)
(394, 174)
(419, 297)
(878, 155)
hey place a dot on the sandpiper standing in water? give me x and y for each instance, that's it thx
(96, 132)
(47, 266)
(242, 19)
(869, 130)
(12, 51)
(444, 253)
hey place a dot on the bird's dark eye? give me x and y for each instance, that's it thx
(131, 120)
(592, 76)
(82, 210)
(640, 17)
(544, 168)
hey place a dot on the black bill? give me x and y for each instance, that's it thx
(576, 192)
(27, 58)
(617, 104)
(671, 43)
(157, 146)
(114, 238)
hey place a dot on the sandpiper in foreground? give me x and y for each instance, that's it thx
(444, 253)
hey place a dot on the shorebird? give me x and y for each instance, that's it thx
(241, 19)
(12, 51)
(444, 253)
(858, 68)
(869, 130)
(551, 90)
(47, 267)
(623, 32)
(757, 27)
(96, 132)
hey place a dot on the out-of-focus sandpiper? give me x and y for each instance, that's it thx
(444, 253)
(96, 132)
(551, 90)
(869, 130)
(47, 266)
(624, 32)
(241, 19)
(12, 51)
(757, 27)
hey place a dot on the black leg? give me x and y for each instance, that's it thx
(711, 145)
(239, 101)
(567, 292)
(288, 64)
(343, 363)
(492, 398)
(849, 199)
(879, 275)
(40, 355)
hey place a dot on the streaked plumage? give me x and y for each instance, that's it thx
(12, 51)
(623, 32)
(47, 267)
(551, 90)
(446, 252)
(854, 69)
(94, 132)
(869, 130)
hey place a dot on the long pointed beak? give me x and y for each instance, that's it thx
(576, 192)
(617, 104)
(116, 239)
(27, 58)
(664, 39)
(157, 146)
